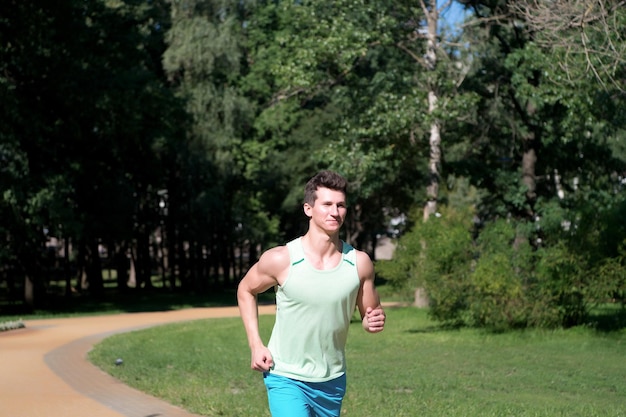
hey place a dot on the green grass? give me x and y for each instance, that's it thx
(414, 368)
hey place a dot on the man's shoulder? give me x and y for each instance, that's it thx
(276, 251)
(277, 255)
(362, 256)
(364, 263)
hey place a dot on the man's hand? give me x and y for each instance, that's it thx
(262, 360)
(374, 320)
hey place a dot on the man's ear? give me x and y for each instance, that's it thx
(306, 207)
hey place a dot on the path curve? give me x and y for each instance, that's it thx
(44, 369)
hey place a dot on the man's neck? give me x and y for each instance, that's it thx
(321, 244)
(321, 250)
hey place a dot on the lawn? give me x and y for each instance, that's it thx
(414, 368)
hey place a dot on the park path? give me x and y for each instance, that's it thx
(44, 369)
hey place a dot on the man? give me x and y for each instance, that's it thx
(319, 281)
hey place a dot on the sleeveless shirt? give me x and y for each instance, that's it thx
(313, 312)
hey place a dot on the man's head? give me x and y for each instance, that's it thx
(324, 179)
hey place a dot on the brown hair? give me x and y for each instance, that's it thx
(324, 179)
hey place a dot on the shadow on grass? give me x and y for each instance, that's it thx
(608, 318)
(435, 329)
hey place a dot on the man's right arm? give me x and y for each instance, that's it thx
(259, 278)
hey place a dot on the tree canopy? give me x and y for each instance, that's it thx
(168, 141)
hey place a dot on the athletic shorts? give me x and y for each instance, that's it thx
(292, 398)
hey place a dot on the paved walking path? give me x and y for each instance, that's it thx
(44, 369)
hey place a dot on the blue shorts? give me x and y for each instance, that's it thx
(292, 398)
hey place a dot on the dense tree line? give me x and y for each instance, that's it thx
(171, 138)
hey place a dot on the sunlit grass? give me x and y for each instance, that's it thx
(413, 368)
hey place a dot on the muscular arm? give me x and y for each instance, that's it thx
(261, 276)
(368, 301)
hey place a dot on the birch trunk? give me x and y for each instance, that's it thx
(434, 163)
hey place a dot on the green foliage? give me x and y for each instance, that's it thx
(221, 110)
(499, 281)
(255, 223)
(609, 278)
(324, 41)
(562, 276)
(436, 255)
(11, 325)
(493, 277)
(579, 261)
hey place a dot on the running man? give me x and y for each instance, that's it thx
(319, 281)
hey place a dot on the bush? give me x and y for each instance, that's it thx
(562, 277)
(11, 325)
(610, 276)
(500, 279)
(495, 278)
(498, 300)
(436, 255)
(581, 265)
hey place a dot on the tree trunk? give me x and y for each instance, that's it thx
(94, 269)
(29, 291)
(172, 259)
(529, 161)
(121, 267)
(183, 263)
(66, 267)
(141, 260)
(434, 163)
(132, 275)
(81, 264)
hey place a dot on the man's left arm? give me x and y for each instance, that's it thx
(372, 313)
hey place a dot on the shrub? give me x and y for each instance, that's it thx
(498, 299)
(436, 255)
(562, 277)
(495, 278)
(610, 277)
(11, 325)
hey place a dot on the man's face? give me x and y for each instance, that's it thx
(329, 209)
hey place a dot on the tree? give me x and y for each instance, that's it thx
(31, 59)
(205, 61)
(83, 88)
(377, 65)
(431, 33)
(581, 32)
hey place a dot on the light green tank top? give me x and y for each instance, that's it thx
(313, 312)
